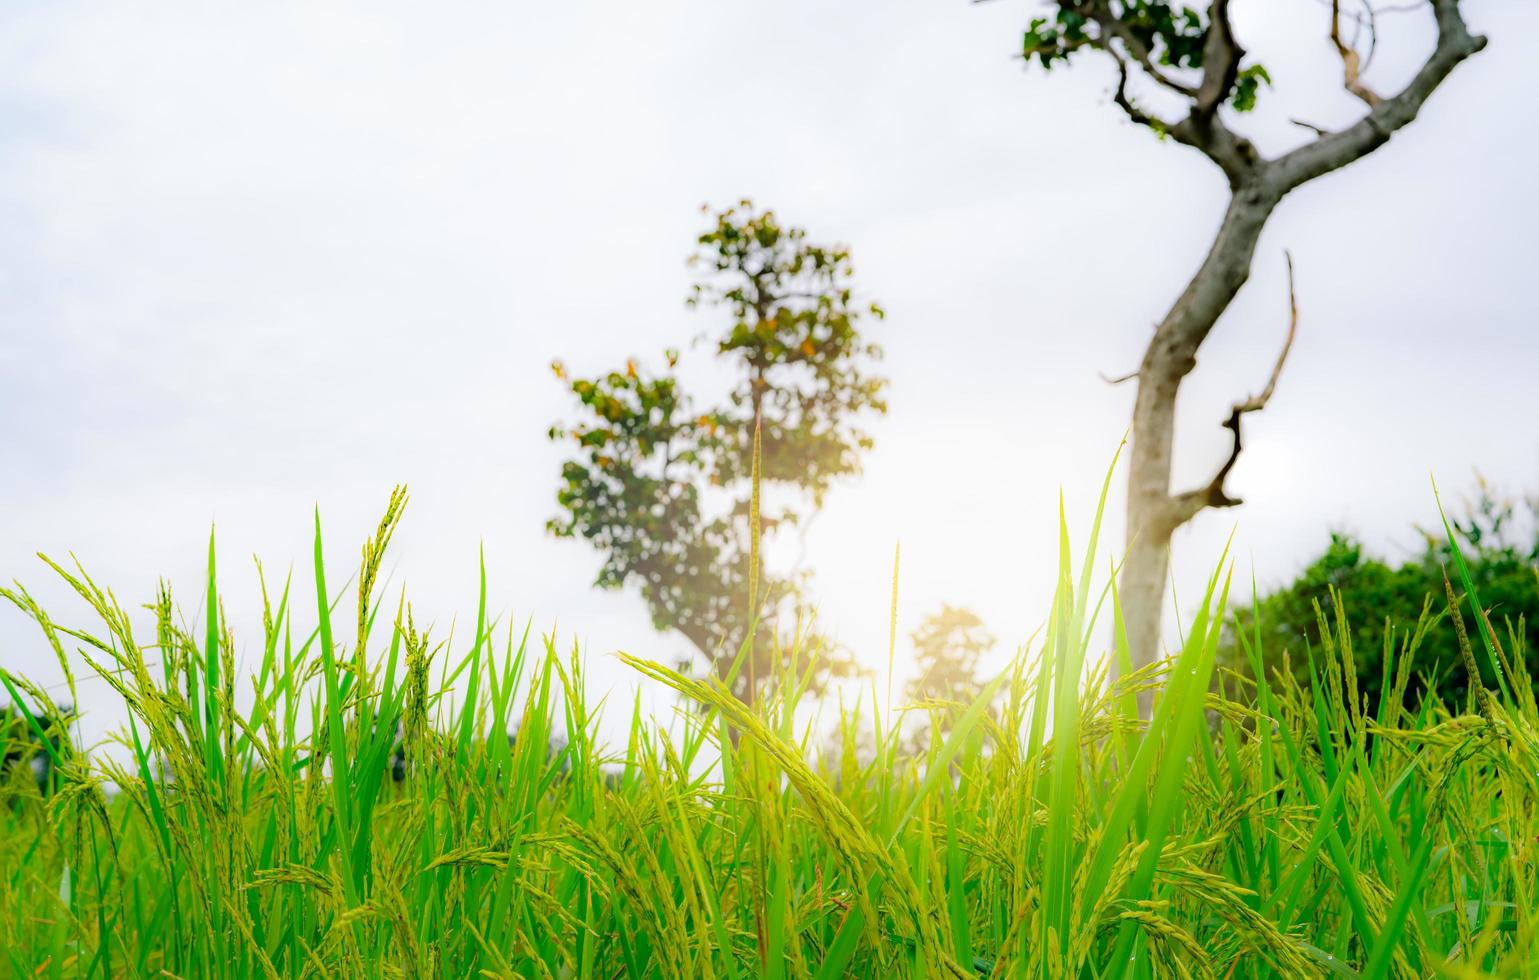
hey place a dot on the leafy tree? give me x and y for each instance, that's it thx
(1380, 601)
(949, 647)
(1190, 58)
(663, 487)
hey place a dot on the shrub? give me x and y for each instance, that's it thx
(1382, 603)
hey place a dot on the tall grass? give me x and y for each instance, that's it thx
(250, 825)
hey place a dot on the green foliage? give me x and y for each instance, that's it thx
(1380, 604)
(1173, 35)
(662, 487)
(795, 346)
(1247, 85)
(1155, 35)
(1053, 835)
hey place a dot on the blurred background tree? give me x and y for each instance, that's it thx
(25, 759)
(662, 486)
(1500, 541)
(949, 647)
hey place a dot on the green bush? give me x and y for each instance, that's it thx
(1499, 544)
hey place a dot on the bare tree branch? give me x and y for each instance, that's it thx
(1221, 55)
(1113, 27)
(1351, 61)
(1369, 20)
(1328, 153)
(1233, 154)
(1125, 102)
(1414, 7)
(1185, 506)
(1317, 130)
(1119, 379)
(1256, 403)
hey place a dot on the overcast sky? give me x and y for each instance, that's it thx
(256, 258)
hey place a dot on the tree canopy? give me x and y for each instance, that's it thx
(949, 647)
(663, 486)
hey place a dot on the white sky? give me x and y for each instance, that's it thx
(259, 257)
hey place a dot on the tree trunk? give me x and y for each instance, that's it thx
(1257, 186)
(1171, 356)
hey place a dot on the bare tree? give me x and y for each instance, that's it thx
(1195, 61)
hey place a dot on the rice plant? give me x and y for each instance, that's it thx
(355, 806)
